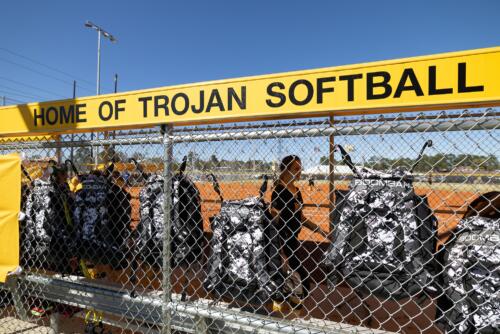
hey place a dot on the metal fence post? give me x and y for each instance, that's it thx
(54, 323)
(12, 285)
(331, 175)
(167, 133)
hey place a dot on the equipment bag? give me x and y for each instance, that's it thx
(47, 232)
(471, 277)
(186, 220)
(245, 262)
(384, 235)
(25, 232)
(102, 217)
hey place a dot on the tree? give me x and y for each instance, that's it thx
(82, 156)
(492, 163)
(214, 162)
(324, 161)
(192, 157)
(109, 154)
(439, 162)
(138, 156)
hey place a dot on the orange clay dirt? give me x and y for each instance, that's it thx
(447, 204)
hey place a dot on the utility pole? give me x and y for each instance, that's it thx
(116, 91)
(71, 153)
(3, 100)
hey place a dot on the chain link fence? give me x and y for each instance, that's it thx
(381, 223)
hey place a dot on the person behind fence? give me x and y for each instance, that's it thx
(286, 208)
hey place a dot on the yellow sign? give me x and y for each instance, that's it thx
(10, 199)
(450, 80)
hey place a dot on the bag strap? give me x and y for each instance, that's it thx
(347, 159)
(421, 154)
(109, 170)
(182, 168)
(263, 187)
(25, 172)
(216, 186)
(67, 214)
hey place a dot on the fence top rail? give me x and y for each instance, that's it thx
(273, 131)
(444, 81)
(463, 114)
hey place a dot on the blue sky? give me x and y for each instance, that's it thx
(171, 42)
(163, 43)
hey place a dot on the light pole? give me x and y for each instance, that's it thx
(112, 39)
(106, 34)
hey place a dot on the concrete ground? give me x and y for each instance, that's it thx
(10, 325)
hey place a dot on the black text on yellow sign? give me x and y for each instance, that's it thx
(379, 85)
(448, 80)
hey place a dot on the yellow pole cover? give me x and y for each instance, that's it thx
(10, 203)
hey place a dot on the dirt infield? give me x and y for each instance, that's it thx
(448, 201)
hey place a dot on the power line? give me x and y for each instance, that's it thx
(46, 66)
(41, 73)
(33, 87)
(18, 94)
(35, 71)
(20, 91)
(13, 100)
